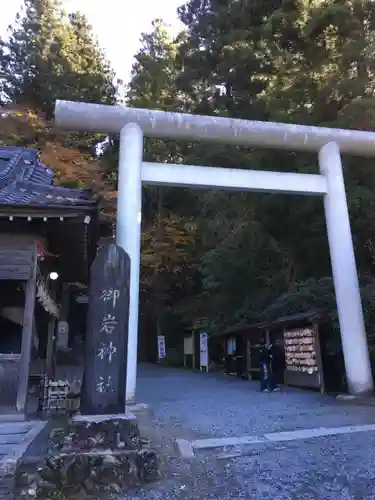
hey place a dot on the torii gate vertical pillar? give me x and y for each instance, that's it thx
(349, 307)
(128, 234)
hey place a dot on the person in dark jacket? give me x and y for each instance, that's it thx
(267, 379)
(272, 368)
(264, 368)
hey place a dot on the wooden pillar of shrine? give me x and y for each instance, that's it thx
(27, 333)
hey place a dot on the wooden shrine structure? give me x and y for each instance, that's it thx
(44, 229)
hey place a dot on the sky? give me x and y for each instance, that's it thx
(118, 24)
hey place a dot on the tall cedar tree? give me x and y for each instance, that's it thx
(50, 55)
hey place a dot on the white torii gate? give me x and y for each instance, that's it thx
(134, 124)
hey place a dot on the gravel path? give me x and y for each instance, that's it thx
(195, 406)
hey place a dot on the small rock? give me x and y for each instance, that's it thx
(45, 489)
(94, 474)
(89, 485)
(110, 460)
(33, 486)
(68, 441)
(26, 479)
(91, 441)
(116, 488)
(57, 433)
(49, 475)
(78, 494)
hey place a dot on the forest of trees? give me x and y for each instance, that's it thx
(215, 258)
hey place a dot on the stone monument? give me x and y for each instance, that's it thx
(104, 380)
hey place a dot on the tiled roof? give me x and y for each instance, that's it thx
(25, 181)
(308, 316)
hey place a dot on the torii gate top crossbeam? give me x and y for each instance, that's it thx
(80, 116)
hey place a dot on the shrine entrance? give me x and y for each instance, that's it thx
(134, 124)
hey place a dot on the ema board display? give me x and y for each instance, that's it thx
(302, 358)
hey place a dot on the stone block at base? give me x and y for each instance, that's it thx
(137, 407)
(100, 453)
(98, 432)
(91, 474)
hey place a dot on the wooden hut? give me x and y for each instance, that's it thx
(44, 229)
(303, 357)
(296, 339)
(231, 343)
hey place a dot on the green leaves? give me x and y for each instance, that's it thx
(52, 55)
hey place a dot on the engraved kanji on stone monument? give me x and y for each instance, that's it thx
(107, 333)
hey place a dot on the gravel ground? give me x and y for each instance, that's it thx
(193, 406)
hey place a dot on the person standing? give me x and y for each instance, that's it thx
(272, 369)
(264, 368)
(267, 378)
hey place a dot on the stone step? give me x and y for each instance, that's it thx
(15, 428)
(9, 417)
(15, 438)
(8, 439)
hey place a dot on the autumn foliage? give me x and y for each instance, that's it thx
(60, 151)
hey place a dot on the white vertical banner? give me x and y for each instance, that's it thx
(62, 335)
(161, 347)
(231, 346)
(203, 350)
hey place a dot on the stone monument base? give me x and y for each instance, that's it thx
(99, 453)
(137, 408)
(367, 399)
